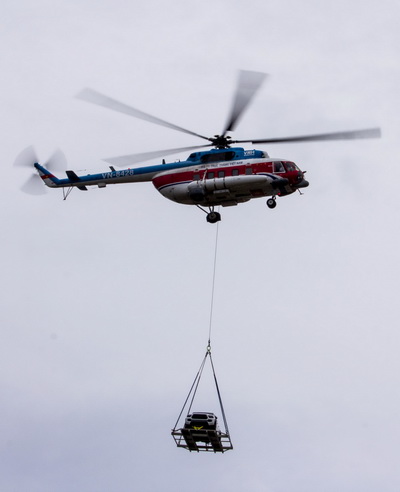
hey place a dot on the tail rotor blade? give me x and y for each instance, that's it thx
(57, 162)
(34, 186)
(26, 158)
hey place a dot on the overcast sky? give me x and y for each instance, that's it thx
(105, 297)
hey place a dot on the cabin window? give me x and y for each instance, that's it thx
(217, 156)
(235, 172)
(249, 170)
(196, 177)
(210, 175)
(221, 174)
(229, 155)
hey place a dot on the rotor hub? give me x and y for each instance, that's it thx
(221, 141)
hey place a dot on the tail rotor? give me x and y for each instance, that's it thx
(27, 158)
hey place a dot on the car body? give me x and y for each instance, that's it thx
(200, 421)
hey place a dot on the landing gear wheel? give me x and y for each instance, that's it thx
(213, 217)
(271, 203)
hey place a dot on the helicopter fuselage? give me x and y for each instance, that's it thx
(231, 181)
(217, 177)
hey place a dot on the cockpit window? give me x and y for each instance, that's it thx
(278, 167)
(290, 166)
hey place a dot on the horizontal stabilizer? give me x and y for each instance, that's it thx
(75, 179)
(72, 176)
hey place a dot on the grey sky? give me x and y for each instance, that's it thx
(105, 297)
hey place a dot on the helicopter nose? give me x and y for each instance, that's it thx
(300, 181)
(303, 183)
(299, 178)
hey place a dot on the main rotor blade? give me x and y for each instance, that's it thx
(348, 135)
(248, 85)
(95, 97)
(128, 160)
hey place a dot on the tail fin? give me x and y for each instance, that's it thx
(48, 178)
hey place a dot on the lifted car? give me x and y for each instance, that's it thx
(201, 421)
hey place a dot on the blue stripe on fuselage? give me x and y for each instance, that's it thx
(139, 171)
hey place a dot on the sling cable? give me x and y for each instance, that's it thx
(201, 431)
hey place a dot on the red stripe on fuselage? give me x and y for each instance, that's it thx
(211, 173)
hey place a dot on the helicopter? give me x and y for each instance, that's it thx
(225, 175)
